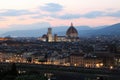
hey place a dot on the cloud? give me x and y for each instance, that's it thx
(114, 14)
(38, 25)
(57, 16)
(52, 7)
(93, 14)
(2, 19)
(13, 12)
(38, 16)
(68, 16)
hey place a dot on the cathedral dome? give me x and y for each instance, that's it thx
(72, 32)
(44, 36)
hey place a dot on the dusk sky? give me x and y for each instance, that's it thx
(35, 14)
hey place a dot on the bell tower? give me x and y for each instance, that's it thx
(49, 34)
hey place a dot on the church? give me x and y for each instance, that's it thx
(71, 36)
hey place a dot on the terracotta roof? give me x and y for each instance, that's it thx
(71, 30)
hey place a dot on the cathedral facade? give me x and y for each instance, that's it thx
(71, 36)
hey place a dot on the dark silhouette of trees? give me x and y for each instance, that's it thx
(10, 74)
(13, 70)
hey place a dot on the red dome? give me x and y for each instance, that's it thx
(72, 31)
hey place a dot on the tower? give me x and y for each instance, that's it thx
(49, 34)
(55, 38)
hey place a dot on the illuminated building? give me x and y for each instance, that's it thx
(117, 60)
(12, 57)
(85, 61)
(55, 38)
(4, 39)
(76, 60)
(93, 62)
(49, 35)
(71, 36)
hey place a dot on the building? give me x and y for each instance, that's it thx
(5, 38)
(12, 57)
(49, 35)
(71, 36)
(76, 60)
(88, 61)
(117, 60)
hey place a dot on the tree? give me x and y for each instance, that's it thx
(14, 70)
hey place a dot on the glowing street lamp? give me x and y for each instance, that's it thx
(111, 67)
(75, 64)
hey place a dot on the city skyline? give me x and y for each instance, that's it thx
(59, 39)
(31, 14)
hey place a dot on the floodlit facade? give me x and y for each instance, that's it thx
(71, 36)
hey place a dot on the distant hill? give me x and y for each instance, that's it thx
(60, 30)
(109, 30)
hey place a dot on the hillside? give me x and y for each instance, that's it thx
(61, 30)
